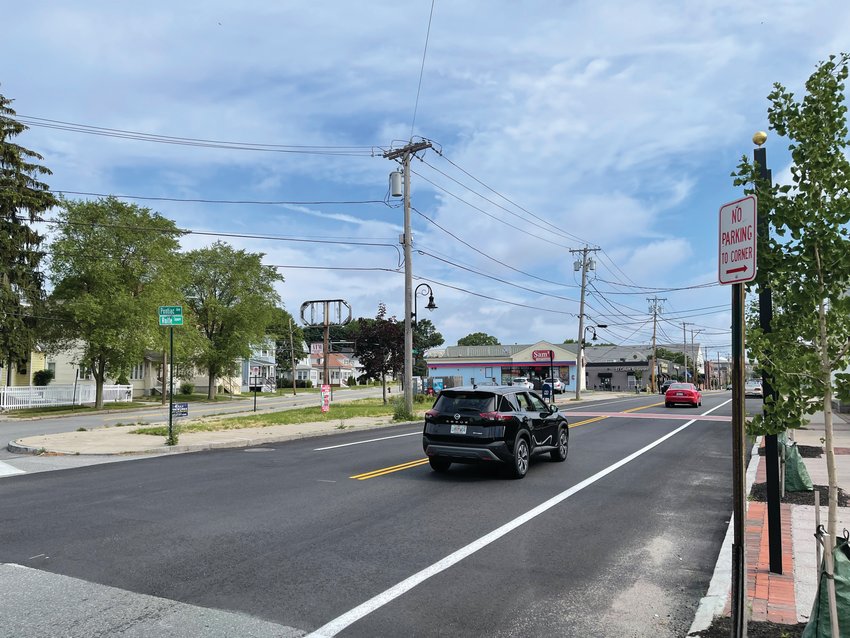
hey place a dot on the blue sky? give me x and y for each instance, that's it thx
(614, 124)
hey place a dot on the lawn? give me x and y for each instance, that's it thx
(338, 412)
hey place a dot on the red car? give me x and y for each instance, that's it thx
(682, 393)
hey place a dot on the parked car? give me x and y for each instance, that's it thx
(682, 393)
(558, 385)
(523, 382)
(504, 424)
(753, 389)
(665, 386)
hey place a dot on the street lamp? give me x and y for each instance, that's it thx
(579, 366)
(431, 305)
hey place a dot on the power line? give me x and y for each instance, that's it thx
(221, 201)
(363, 151)
(422, 68)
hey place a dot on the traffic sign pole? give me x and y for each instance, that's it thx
(739, 575)
(171, 386)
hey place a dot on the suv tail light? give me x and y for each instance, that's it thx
(430, 414)
(496, 416)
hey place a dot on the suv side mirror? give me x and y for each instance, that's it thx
(553, 408)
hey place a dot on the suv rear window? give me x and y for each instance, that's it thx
(464, 402)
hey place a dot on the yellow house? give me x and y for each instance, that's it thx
(22, 375)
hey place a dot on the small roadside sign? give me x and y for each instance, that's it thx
(171, 315)
(737, 241)
(326, 397)
(179, 409)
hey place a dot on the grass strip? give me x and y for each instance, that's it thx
(338, 412)
(63, 410)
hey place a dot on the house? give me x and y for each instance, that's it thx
(341, 367)
(22, 375)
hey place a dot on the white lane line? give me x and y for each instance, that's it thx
(338, 624)
(383, 438)
(9, 470)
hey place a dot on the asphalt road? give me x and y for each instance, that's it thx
(620, 540)
(12, 428)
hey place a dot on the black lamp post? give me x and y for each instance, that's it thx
(431, 305)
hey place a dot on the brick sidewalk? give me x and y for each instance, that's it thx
(770, 596)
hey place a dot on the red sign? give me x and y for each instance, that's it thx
(326, 397)
(545, 355)
(738, 241)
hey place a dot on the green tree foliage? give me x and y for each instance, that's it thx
(288, 339)
(379, 346)
(478, 339)
(233, 298)
(113, 265)
(425, 336)
(669, 355)
(568, 341)
(22, 198)
(806, 262)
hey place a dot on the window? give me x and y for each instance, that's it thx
(536, 404)
(51, 365)
(138, 371)
(488, 372)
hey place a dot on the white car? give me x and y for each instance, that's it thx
(558, 386)
(523, 382)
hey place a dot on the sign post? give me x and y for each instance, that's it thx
(736, 264)
(542, 355)
(171, 316)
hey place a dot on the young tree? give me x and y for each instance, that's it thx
(425, 336)
(380, 346)
(478, 339)
(112, 265)
(288, 338)
(22, 198)
(232, 295)
(806, 262)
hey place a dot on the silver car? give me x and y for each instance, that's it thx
(523, 382)
(558, 386)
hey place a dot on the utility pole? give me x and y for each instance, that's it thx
(585, 265)
(719, 378)
(685, 324)
(695, 357)
(655, 310)
(405, 153)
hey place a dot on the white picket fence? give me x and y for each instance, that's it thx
(39, 396)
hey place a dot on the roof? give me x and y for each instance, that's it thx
(496, 389)
(602, 354)
(462, 352)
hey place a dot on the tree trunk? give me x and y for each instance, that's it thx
(384, 385)
(99, 372)
(832, 517)
(211, 389)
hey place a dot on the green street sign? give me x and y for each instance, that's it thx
(171, 315)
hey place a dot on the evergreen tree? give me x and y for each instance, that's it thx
(22, 198)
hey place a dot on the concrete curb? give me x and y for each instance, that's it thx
(714, 601)
(239, 442)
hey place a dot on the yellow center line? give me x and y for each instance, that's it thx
(417, 463)
(389, 470)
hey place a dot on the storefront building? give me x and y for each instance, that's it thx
(503, 363)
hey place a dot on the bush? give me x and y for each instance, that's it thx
(351, 381)
(400, 412)
(42, 377)
(122, 379)
(187, 388)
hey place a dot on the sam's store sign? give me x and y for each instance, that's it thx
(541, 355)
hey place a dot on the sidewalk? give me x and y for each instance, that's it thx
(785, 598)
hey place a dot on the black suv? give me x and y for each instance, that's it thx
(502, 424)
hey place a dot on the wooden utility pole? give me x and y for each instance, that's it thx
(405, 153)
(655, 310)
(585, 265)
(292, 355)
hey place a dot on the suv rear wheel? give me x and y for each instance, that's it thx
(522, 456)
(560, 453)
(439, 464)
